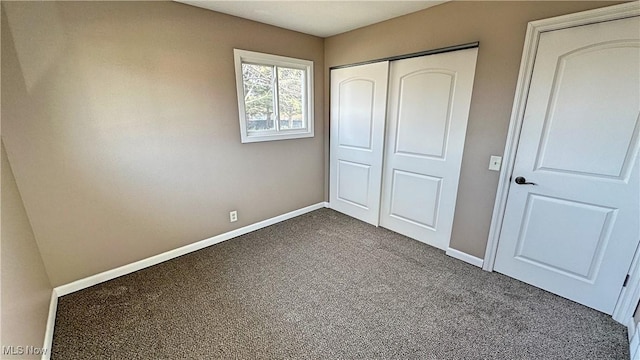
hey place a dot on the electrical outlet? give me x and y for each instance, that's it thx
(495, 162)
(233, 216)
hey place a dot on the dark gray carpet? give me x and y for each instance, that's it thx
(326, 286)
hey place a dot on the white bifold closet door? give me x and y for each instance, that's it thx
(415, 146)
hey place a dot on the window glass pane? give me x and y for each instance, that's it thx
(290, 98)
(258, 81)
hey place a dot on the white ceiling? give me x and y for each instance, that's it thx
(318, 17)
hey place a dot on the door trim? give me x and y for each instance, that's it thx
(629, 296)
(532, 38)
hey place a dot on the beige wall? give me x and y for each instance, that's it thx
(500, 28)
(26, 290)
(121, 124)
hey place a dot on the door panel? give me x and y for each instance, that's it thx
(356, 99)
(580, 107)
(424, 95)
(574, 233)
(358, 110)
(415, 198)
(580, 229)
(353, 183)
(429, 100)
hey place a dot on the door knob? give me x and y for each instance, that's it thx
(522, 181)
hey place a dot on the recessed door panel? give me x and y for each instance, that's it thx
(353, 183)
(356, 105)
(429, 100)
(569, 228)
(580, 111)
(424, 95)
(575, 229)
(415, 198)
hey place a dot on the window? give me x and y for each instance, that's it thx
(275, 96)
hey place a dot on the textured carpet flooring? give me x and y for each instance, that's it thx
(326, 286)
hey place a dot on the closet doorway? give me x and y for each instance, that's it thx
(397, 137)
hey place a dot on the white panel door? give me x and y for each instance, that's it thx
(358, 109)
(429, 99)
(575, 230)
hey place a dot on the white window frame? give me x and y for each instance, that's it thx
(248, 136)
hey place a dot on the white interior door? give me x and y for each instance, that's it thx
(575, 231)
(358, 109)
(429, 99)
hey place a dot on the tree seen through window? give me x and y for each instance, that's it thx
(273, 93)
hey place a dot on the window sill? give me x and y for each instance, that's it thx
(257, 137)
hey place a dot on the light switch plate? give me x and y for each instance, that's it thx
(495, 162)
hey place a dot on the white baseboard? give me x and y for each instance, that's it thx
(51, 321)
(464, 257)
(171, 254)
